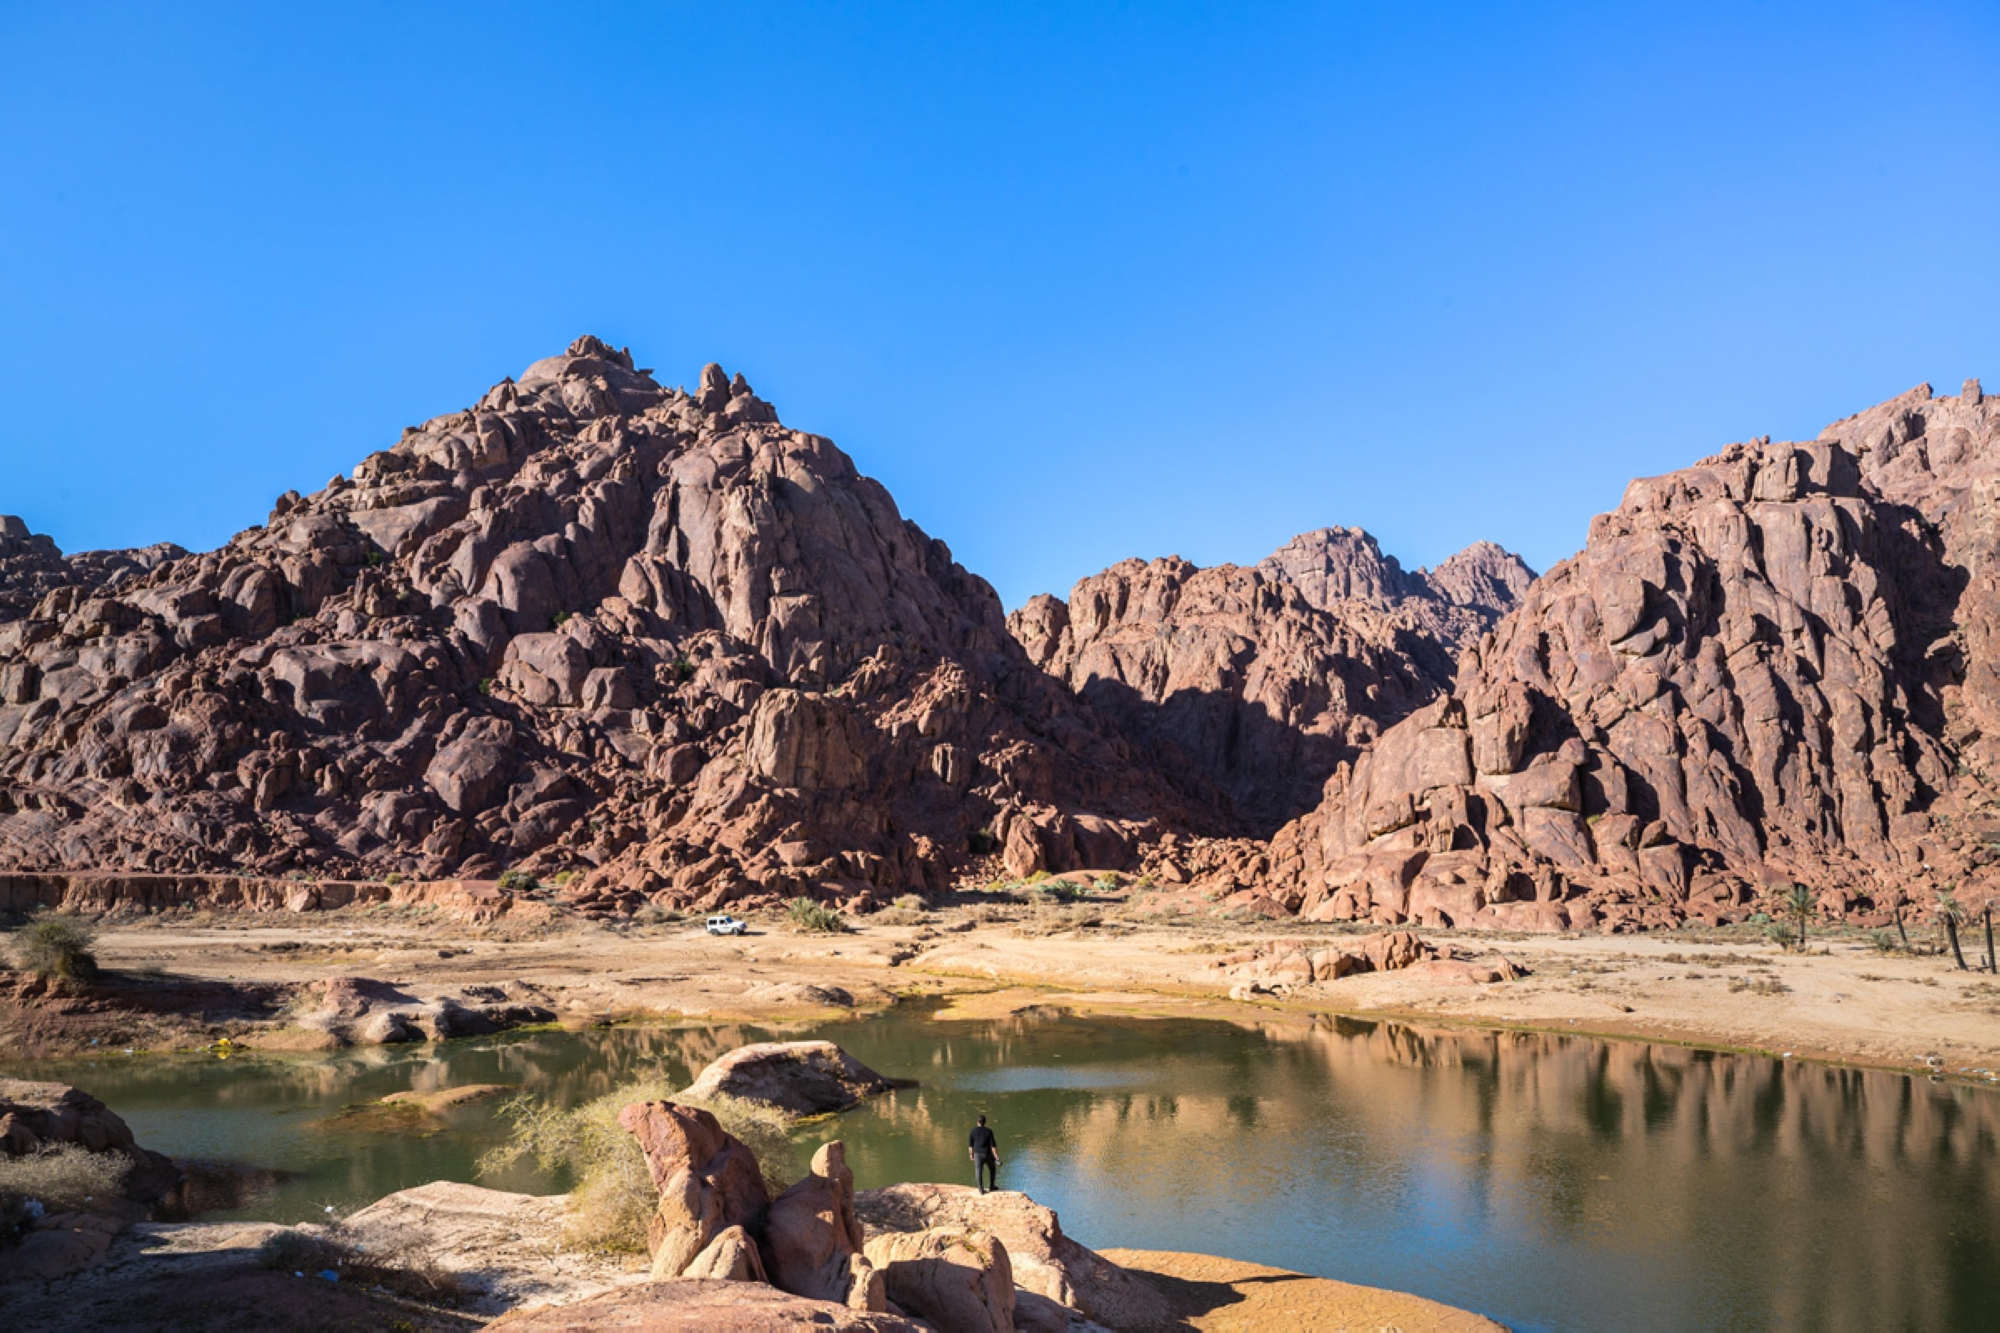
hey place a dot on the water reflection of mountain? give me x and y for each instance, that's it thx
(1549, 1180)
(1772, 1193)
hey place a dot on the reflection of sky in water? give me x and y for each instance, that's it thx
(1552, 1182)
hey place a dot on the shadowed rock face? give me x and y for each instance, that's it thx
(1772, 666)
(1260, 681)
(591, 623)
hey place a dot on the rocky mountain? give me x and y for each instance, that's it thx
(32, 566)
(1261, 680)
(591, 625)
(1772, 667)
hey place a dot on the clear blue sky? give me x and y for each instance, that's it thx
(1076, 281)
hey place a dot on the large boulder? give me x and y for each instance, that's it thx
(707, 1179)
(1045, 1262)
(797, 1077)
(957, 1279)
(813, 1241)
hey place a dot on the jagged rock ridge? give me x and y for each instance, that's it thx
(1771, 667)
(32, 566)
(1259, 681)
(590, 624)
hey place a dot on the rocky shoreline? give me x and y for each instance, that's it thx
(724, 1253)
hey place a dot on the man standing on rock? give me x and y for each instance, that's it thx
(985, 1151)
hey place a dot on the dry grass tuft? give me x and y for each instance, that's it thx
(397, 1259)
(63, 1178)
(613, 1196)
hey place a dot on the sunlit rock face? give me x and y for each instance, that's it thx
(1774, 666)
(1261, 680)
(591, 623)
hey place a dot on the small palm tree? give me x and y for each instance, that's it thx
(1800, 903)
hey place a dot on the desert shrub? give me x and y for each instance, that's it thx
(394, 877)
(1779, 935)
(562, 879)
(57, 945)
(613, 1195)
(911, 902)
(1883, 941)
(1061, 890)
(519, 881)
(400, 1260)
(1057, 920)
(1105, 884)
(652, 914)
(815, 918)
(63, 1177)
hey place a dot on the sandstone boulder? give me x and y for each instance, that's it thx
(708, 1181)
(954, 1278)
(798, 1077)
(1045, 1262)
(731, 1257)
(814, 1242)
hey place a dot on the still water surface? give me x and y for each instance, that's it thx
(1551, 1182)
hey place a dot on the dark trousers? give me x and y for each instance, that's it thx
(988, 1173)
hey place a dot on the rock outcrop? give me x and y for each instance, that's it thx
(1048, 1266)
(32, 566)
(800, 1078)
(1258, 682)
(1771, 667)
(709, 1183)
(39, 1116)
(814, 1242)
(954, 1279)
(591, 624)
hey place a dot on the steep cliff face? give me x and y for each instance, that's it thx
(1772, 666)
(590, 624)
(1259, 681)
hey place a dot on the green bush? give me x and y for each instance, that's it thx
(519, 881)
(613, 1196)
(57, 946)
(911, 902)
(1061, 890)
(816, 918)
(1883, 941)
